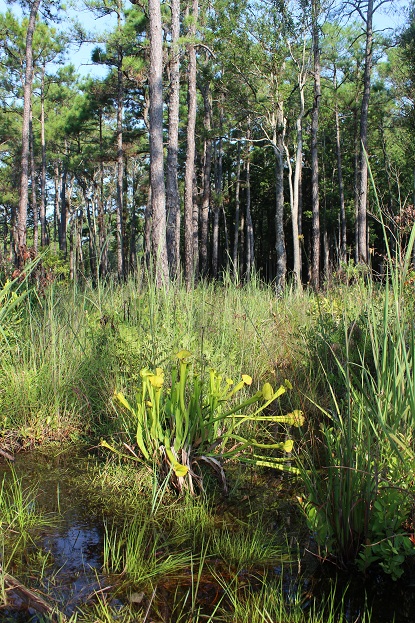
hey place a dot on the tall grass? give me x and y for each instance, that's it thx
(356, 465)
(74, 346)
(140, 551)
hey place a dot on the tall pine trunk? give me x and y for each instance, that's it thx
(172, 186)
(158, 193)
(33, 189)
(315, 269)
(189, 221)
(21, 225)
(295, 208)
(343, 230)
(249, 238)
(120, 156)
(217, 206)
(102, 230)
(63, 221)
(42, 209)
(235, 258)
(281, 259)
(207, 168)
(56, 203)
(363, 166)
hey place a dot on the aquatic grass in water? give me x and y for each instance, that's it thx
(192, 524)
(18, 512)
(280, 601)
(104, 612)
(245, 546)
(141, 552)
(199, 574)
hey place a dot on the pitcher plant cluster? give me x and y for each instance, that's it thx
(198, 419)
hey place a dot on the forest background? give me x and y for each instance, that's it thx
(267, 120)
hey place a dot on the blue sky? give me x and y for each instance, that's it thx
(80, 57)
(392, 17)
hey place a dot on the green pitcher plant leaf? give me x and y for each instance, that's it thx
(274, 463)
(113, 449)
(122, 400)
(284, 446)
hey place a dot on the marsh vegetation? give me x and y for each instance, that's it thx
(235, 446)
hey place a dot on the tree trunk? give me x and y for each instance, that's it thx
(42, 211)
(343, 230)
(63, 205)
(235, 257)
(363, 166)
(195, 219)
(189, 224)
(21, 225)
(79, 255)
(147, 230)
(295, 183)
(72, 249)
(99, 192)
(56, 210)
(120, 156)
(281, 259)
(133, 226)
(217, 205)
(172, 187)
(207, 168)
(248, 219)
(315, 271)
(356, 181)
(91, 241)
(295, 208)
(33, 189)
(158, 194)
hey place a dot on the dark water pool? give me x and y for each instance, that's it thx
(70, 544)
(70, 570)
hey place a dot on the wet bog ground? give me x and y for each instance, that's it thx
(63, 562)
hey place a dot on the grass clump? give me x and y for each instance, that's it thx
(18, 512)
(140, 551)
(359, 499)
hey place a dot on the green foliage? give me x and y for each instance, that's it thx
(55, 263)
(193, 421)
(18, 512)
(247, 546)
(12, 294)
(69, 346)
(139, 551)
(278, 602)
(358, 498)
(339, 476)
(388, 542)
(335, 333)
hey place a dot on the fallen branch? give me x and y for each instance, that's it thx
(33, 600)
(6, 455)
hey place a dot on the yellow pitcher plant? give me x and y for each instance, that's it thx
(191, 421)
